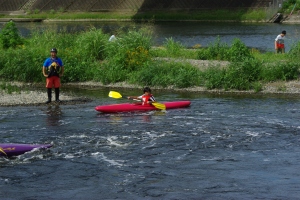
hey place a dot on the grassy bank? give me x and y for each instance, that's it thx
(89, 56)
(206, 15)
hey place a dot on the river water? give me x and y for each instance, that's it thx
(255, 35)
(221, 147)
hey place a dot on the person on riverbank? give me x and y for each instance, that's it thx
(53, 69)
(112, 38)
(279, 43)
(147, 98)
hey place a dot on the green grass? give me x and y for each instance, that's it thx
(89, 56)
(8, 88)
(208, 15)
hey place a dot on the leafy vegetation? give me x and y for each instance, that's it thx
(89, 56)
(9, 88)
(290, 5)
(9, 36)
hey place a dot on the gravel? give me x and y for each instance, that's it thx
(35, 97)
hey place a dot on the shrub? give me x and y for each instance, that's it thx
(91, 44)
(130, 51)
(294, 52)
(10, 36)
(281, 71)
(173, 48)
(165, 74)
(240, 75)
(214, 77)
(215, 51)
(238, 51)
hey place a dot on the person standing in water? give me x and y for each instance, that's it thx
(279, 43)
(53, 69)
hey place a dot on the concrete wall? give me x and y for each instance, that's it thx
(133, 5)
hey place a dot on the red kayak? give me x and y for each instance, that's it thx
(130, 107)
(9, 150)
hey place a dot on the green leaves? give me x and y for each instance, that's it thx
(9, 36)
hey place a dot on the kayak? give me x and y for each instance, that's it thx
(9, 150)
(131, 107)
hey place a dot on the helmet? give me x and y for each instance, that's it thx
(54, 50)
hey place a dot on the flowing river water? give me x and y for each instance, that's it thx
(221, 147)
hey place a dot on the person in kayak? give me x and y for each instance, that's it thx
(53, 69)
(279, 42)
(147, 98)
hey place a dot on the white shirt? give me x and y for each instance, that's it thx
(112, 38)
(280, 39)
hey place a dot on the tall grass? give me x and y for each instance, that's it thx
(89, 56)
(207, 15)
(221, 51)
(173, 74)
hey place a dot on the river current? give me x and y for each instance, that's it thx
(221, 147)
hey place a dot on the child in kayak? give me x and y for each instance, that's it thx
(147, 98)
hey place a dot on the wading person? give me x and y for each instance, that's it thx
(53, 69)
(279, 43)
(112, 38)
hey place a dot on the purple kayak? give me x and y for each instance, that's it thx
(9, 150)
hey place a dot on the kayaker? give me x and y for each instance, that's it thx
(147, 98)
(53, 69)
(279, 43)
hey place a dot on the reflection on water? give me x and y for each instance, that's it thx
(54, 114)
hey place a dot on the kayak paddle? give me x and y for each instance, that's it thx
(2, 151)
(117, 95)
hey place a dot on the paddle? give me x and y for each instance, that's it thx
(117, 95)
(2, 151)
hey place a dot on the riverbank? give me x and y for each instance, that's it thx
(127, 16)
(32, 95)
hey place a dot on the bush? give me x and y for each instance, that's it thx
(238, 51)
(240, 75)
(214, 78)
(130, 51)
(165, 74)
(281, 71)
(10, 36)
(91, 43)
(294, 52)
(173, 48)
(215, 51)
(220, 51)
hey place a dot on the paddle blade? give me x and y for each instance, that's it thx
(2, 151)
(159, 106)
(114, 94)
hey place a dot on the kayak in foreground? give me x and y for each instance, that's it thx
(9, 150)
(129, 107)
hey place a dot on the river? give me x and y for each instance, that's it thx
(255, 35)
(221, 147)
